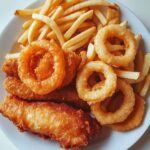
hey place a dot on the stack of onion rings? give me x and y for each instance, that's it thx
(123, 112)
(134, 119)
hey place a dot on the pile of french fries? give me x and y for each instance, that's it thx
(74, 24)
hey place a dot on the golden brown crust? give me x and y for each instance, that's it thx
(10, 67)
(66, 95)
(134, 119)
(72, 61)
(70, 127)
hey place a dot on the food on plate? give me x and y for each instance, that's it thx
(65, 95)
(72, 61)
(81, 53)
(146, 86)
(134, 119)
(86, 92)
(106, 117)
(70, 127)
(10, 66)
(122, 33)
(53, 66)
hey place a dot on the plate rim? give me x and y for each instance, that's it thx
(38, 1)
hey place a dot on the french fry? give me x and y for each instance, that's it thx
(27, 12)
(57, 13)
(139, 60)
(78, 45)
(88, 3)
(63, 28)
(100, 16)
(96, 22)
(85, 26)
(145, 68)
(43, 33)
(83, 60)
(69, 3)
(27, 24)
(69, 17)
(127, 74)
(87, 33)
(124, 24)
(52, 24)
(77, 23)
(138, 39)
(12, 56)
(51, 12)
(23, 38)
(146, 86)
(36, 24)
(91, 52)
(114, 47)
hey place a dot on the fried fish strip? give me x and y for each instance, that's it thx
(70, 127)
(10, 67)
(72, 61)
(66, 95)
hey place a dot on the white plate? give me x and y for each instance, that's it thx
(113, 140)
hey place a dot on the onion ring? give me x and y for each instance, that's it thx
(134, 119)
(123, 112)
(85, 92)
(27, 66)
(122, 33)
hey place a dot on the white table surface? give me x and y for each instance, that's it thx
(140, 7)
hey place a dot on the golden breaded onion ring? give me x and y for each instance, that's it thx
(89, 94)
(134, 119)
(27, 72)
(105, 117)
(122, 33)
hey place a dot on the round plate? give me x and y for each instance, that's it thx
(26, 141)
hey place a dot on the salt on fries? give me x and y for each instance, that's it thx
(83, 44)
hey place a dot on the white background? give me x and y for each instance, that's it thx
(140, 7)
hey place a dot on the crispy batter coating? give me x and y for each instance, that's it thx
(72, 61)
(70, 127)
(67, 95)
(72, 64)
(135, 119)
(10, 67)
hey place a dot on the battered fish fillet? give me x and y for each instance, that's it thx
(70, 127)
(67, 95)
(10, 67)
